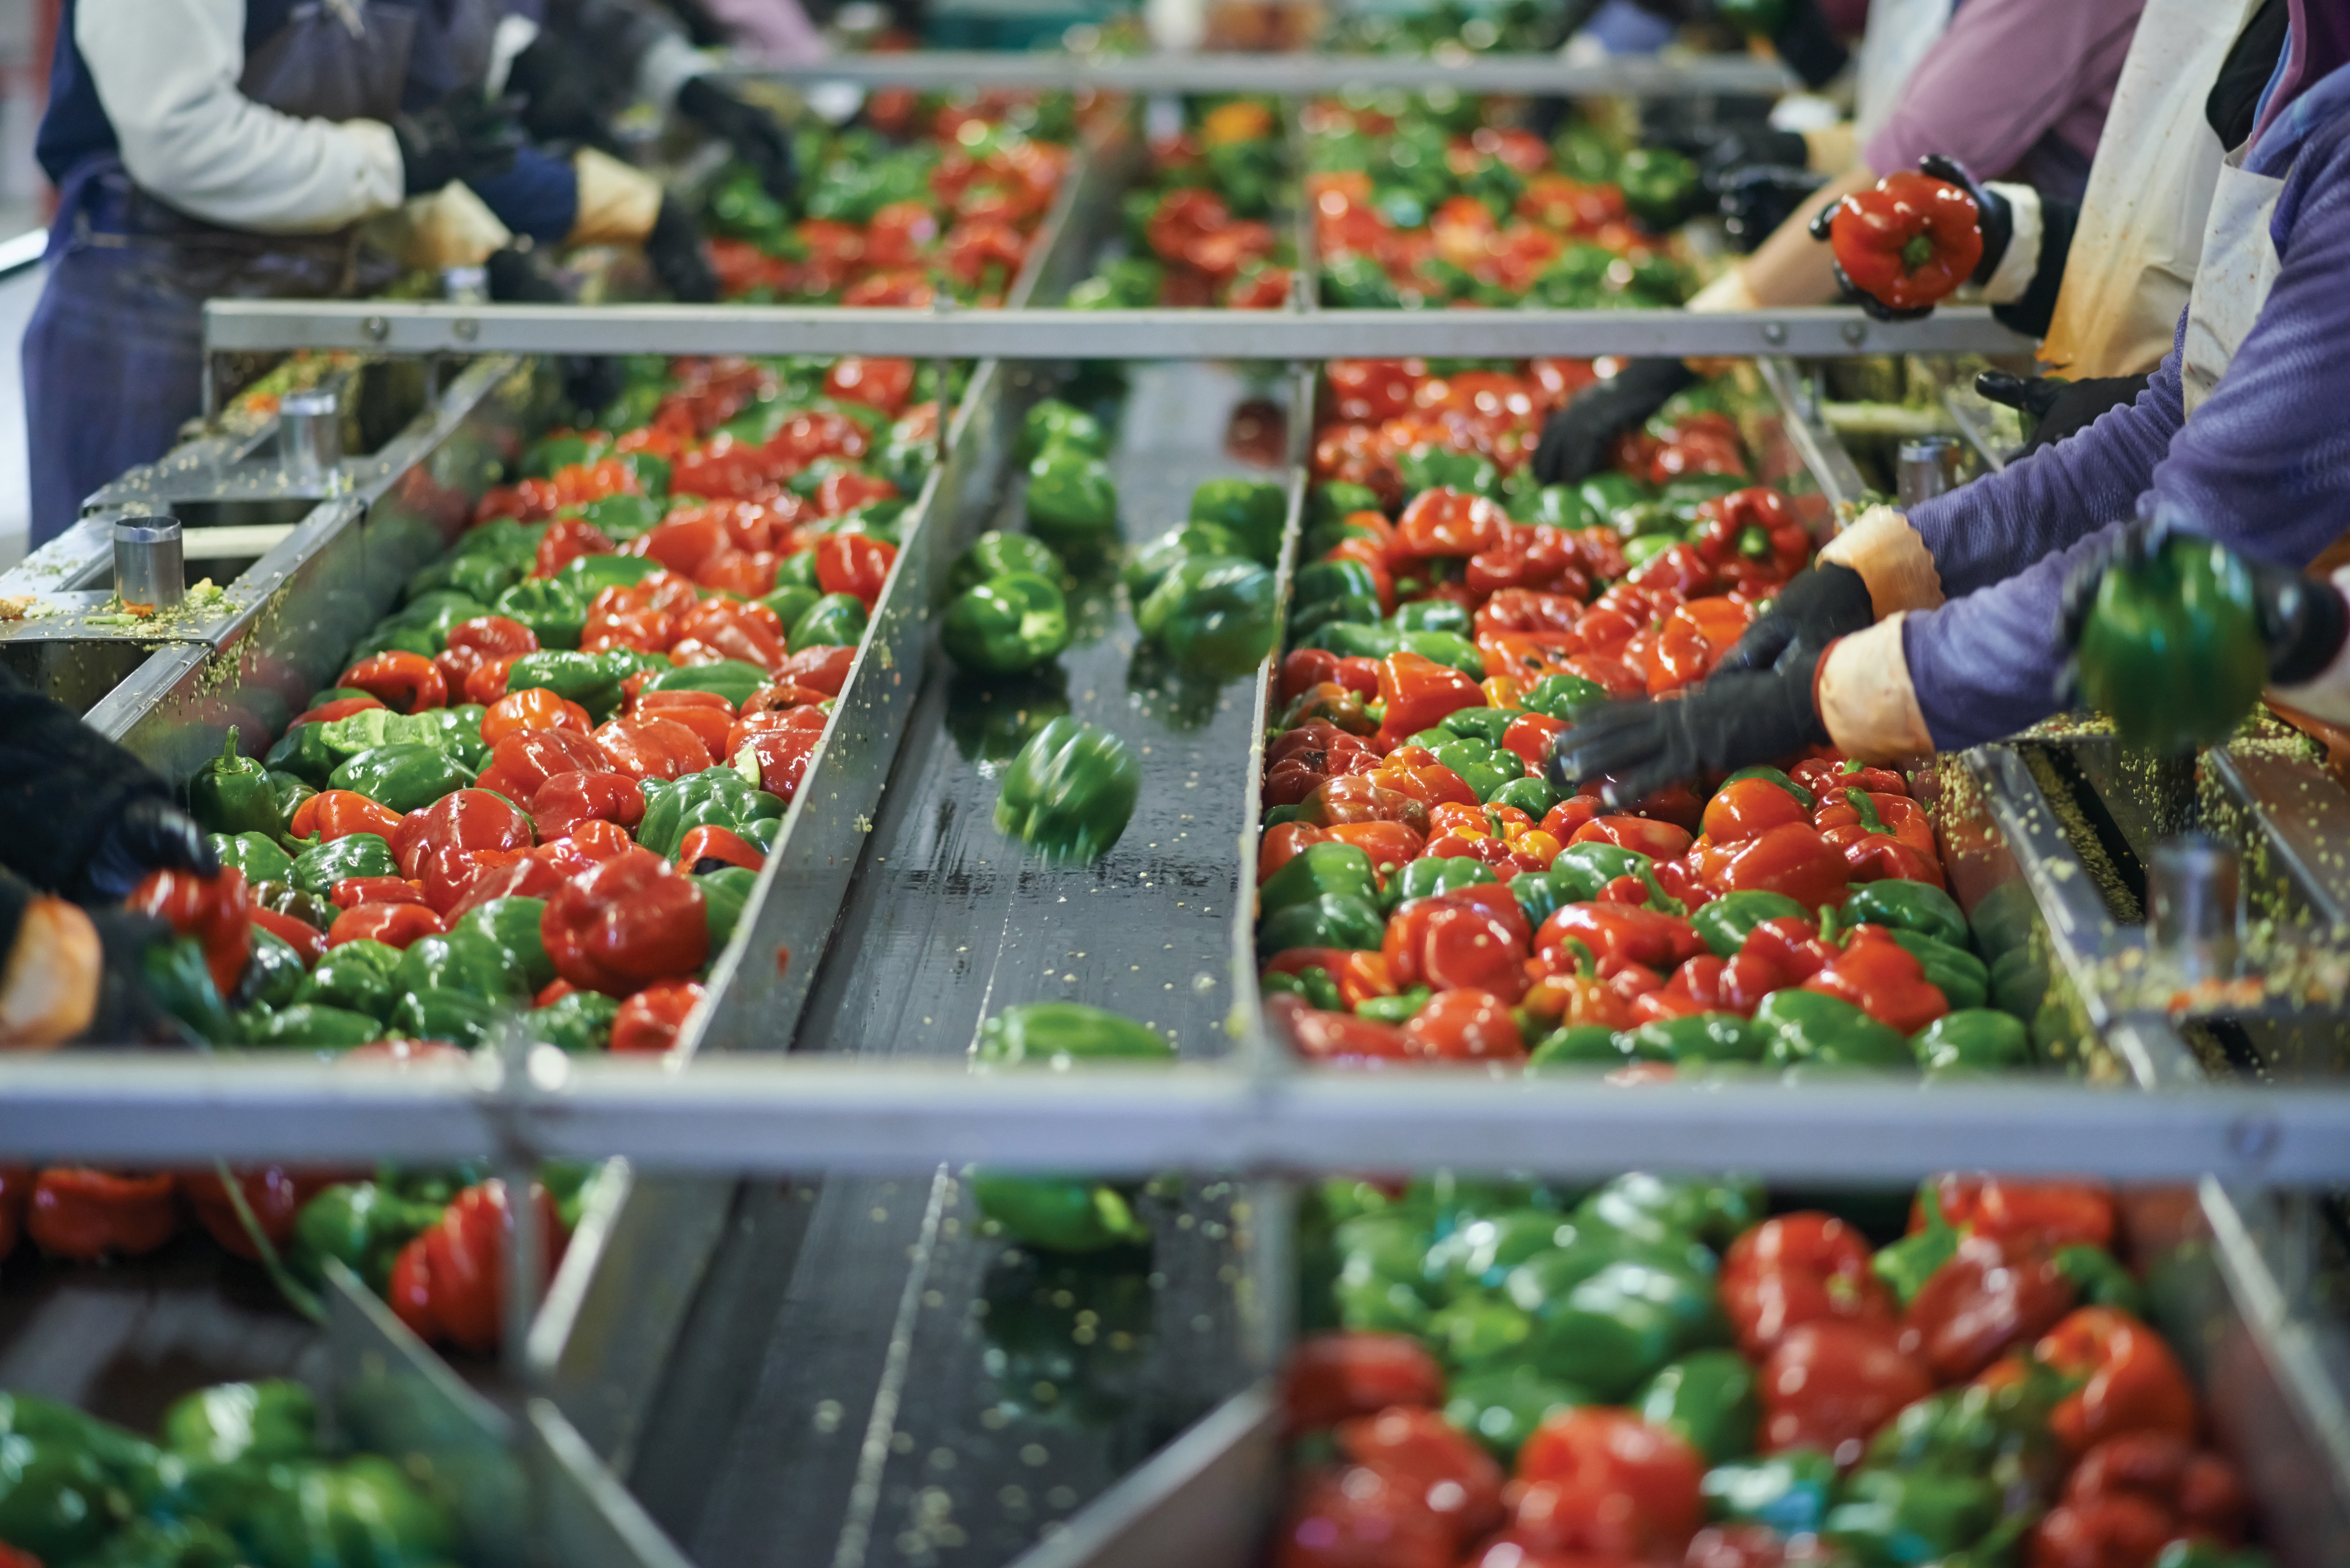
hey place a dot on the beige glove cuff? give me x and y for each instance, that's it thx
(49, 992)
(2011, 279)
(618, 205)
(1831, 149)
(451, 227)
(1728, 292)
(1890, 558)
(1865, 697)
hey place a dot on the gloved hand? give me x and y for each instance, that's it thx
(2059, 408)
(2303, 621)
(517, 277)
(127, 1012)
(1731, 721)
(557, 89)
(462, 137)
(674, 249)
(1820, 603)
(1575, 438)
(1718, 152)
(1994, 220)
(148, 834)
(1755, 199)
(752, 131)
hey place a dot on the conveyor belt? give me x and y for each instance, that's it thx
(946, 1412)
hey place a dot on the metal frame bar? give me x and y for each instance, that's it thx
(395, 327)
(733, 1112)
(1545, 75)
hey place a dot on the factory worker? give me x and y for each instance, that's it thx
(71, 964)
(2016, 89)
(1920, 633)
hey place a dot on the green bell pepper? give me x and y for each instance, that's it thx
(272, 974)
(1439, 468)
(797, 571)
(1326, 591)
(1658, 186)
(1323, 920)
(231, 795)
(1329, 867)
(836, 621)
(317, 870)
(289, 792)
(2100, 1278)
(578, 1022)
(362, 1510)
(790, 601)
(459, 1017)
(1902, 906)
(510, 927)
(1398, 1010)
(1615, 1329)
(1600, 864)
(1556, 505)
(1729, 920)
(181, 985)
(1349, 640)
(734, 678)
(253, 853)
(1215, 614)
(438, 612)
(1430, 875)
(725, 892)
(388, 636)
(1886, 1519)
(403, 778)
(1531, 795)
(311, 1026)
(1809, 1028)
(1971, 1041)
(996, 554)
(1072, 502)
(1788, 1492)
(1051, 423)
(1502, 1408)
(1313, 982)
(1006, 624)
(591, 680)
(1484, 768)
(479, 961)
(552, 611)
(1906, 1264)
(271, 1419)
(1711, 1399)
(1070, 791)
(1581, 1045)
(1058, 1034)
(310, 909)
(2172, 647)
(1658, 1211)
(1562, 697)
(1254, 509)
(1699, 1037)
(714, 797)
(1333, 503)
(1541, 894)
(1486, 725)
(354, 977)
(587, 575)
(1961, 978)
(302, 753)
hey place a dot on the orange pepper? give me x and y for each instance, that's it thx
(532, 708)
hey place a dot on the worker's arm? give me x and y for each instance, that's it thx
(166, 72)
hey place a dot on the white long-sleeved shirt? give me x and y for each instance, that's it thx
(167, 73)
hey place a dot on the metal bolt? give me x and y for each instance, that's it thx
(1854, 332)
(2254, 1138)
(1774, 333)
(466, 328)
(376, 328)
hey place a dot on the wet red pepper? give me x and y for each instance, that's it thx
(405, 682)
(648, 1022)
(85, 1215)
(625, 923)
(2130, 1381)
(1796, 1269)
(1882, 979)
(1908, 241)
(448, 1284)
(1471, 939)
(216, 910)
(1989, 1296)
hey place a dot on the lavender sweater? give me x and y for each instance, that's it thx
(2263, 467)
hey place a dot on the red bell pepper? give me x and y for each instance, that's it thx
(1444, 523)
(448, 1284)
(1831, 1385)
(1908, 241)
(1748, 808)
(272, 1195)
(216, 910)
(522, 762)
(340, 813)
(1796, 1269)
(1827, 777)
(1882, 979)
(1335, 1039)
(394, 925)
(2048, 1214)
(625, 923)
(85, 1215)
(1657, 840)
(2131, 1495)
(854, 564)
(567, 799)
(405, 682)
(1427, 1455)
(1605, 1482)
(1614, 934)
(327, 712)
(1332, 1377)
(352, 891)
(1791, 859)
(654, 748)
(1988, 1296)
(465, 819)
(532, 708)
(2130, 1380)
(1471, 939)
(648, 1022)
(1418, 692)
(1467, 1026)
(300, 935)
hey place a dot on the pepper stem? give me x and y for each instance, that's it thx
(1916, 252)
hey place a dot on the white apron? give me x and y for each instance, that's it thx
(2238, 268)
(2134, 255)
(1899, 33)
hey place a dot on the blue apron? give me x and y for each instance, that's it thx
(113, 357)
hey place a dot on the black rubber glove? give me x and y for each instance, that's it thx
(1756, 199)
(1575, 438)
(462, 137)
(1819, 604)
(147, 834)
(1731, 721)
(1719, 153)
(558, 87)
(2059, 408)
(1808, 46)
(127, 1012)
(752, 131)
(515, 277)
(2304, 620)
(674, 249)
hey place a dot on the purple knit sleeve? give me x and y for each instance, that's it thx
(2264, 467)
(1977, 534)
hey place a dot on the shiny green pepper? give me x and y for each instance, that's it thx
(1959, 975)
(587, 575)
(1613, 1331)
(1711, 1399)
(1484, 768)
(577, 1021)
(1912, 1516)
(2100, 1279)
(1658, 186)
(1398, 1010)
(1907, 906)
(2172, 647)
(1058, 1034)
(1660, 1210)
(734, 678)
(1729, 920)
(1215, 614)
(1072, 502)
(1563, 697)
(1059, 1214)
(1150, 564)
(254, 854)
(403, 778)
(1502, 1408)
(1006, 624)
(317, 870)
(1788, 1492)
(479, 960)
(458, 1017)
(1328, 868)
(836, 621)
(1697, 1037)
(1430, 875)
(996, 554)
(1070, 791)
(1581, 1045)
(231, 795)
(273, 973)
(510, 927)
(725, 892)
(1597, 864)
(1809, 1028)
(354, 977)
(1051, 423)
(274, 1419)
(302, 753)
(1254, 509)
(1323, 920)
(362, 1510)
(714, 797)
(1440, 468)
(552, 611)
(182, 984)
(1906, 1264)
(591, 680)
